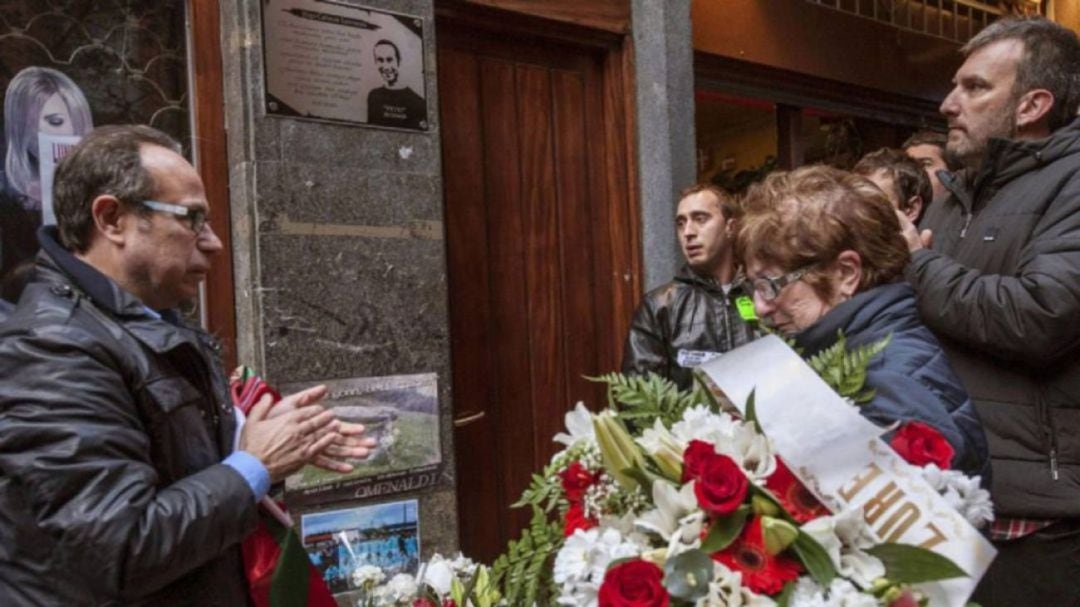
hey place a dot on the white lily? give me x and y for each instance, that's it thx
(738, 440)
(665, 449)
(845, 537)
(672, 504)
(438, 575)
(726, 590)
(579, 425)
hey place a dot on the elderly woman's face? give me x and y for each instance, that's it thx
(788, 304)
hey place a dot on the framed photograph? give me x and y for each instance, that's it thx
(339, 542)
(402, 413)
(339, 62)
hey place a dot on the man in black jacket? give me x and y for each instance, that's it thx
(697, 316)
(1001, 288)
(123, 479)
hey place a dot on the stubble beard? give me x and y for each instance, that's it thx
(971, 152)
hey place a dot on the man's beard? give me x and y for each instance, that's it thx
(970, 153)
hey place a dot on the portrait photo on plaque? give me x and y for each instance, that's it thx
(345, 544)
(402, 413)
(341, 62)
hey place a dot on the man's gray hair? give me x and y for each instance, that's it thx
(106, 161)
(1051, 61)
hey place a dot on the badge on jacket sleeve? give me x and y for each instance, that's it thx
(693, 358)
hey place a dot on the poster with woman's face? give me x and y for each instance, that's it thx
(63, 72)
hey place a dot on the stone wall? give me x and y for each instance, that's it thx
(339, 256)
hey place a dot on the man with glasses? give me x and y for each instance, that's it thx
(123, 478)
(702, 313)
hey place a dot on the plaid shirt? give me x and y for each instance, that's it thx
(1003, 529)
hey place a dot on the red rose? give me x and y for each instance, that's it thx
(694, 458)
(721, 487)
(921, 444)
(576, 519)
(576, 479)
(634, 583)
(423, 602)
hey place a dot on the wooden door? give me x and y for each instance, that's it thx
(541, 244)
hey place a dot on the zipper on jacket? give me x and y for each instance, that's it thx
(967, 223)
(1046, 419)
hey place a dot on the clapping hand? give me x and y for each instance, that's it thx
(349, 440)
(289, 439)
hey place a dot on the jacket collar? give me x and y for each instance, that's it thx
(883, 309)
(688, 276)
(1007, 159)
(143, 323)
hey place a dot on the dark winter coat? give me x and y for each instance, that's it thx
(911, 378)
(1001, 289)
(679, 324)
(113, 425)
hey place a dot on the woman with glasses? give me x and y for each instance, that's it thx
(823, 254)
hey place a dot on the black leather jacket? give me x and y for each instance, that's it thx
(680, 324)
(113, 425)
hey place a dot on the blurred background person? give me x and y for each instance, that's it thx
(695, 317)
(900, 177)
(823, 254)
(928, 149)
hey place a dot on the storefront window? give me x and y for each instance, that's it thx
(66, 67)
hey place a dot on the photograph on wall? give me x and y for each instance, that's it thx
(339, 62)
(341, 542)
(60, 76)
(401, 412)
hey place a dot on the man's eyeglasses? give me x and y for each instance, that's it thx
(196, 218)
(769, 289)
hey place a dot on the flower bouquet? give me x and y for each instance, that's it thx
(669, 498)
(441, 582)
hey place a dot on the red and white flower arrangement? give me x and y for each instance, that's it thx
(705, 513)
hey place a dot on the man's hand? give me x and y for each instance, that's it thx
(349, 443)
(915, 240)
(289, 440)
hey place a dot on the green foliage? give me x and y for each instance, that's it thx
(725, 529)
(640, 400)
(844, 370)
(524, 572)
(914, 565)
(815, 559)
(545, 490)
(687, 575)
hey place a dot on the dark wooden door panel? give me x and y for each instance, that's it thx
(533, 294)
(467, 261)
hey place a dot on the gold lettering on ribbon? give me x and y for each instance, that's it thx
(902, 520)
(885, 499)
(935, 540)
(860, 482)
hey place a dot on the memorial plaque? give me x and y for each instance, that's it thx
(338, 62)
